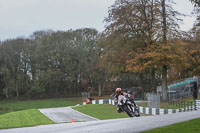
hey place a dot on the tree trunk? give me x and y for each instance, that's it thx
(17, 93)
(164, 67)
(153, 80)
(74, 90)
(99, 89)
(164, 83)
(164, 22)
(78, 90)
(141, 84)
(103, 88)
(7, 93)
(70, 90)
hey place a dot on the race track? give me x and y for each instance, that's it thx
(126, 125)
(65, 114)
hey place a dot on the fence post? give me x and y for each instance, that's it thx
(184, 106)
(195, 105)
(192, 103)
(188, 105)
(181, 104)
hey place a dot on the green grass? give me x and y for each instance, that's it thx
(192, 126)
(23, 118)
(166, 105)
(143, 104)
(10, 106)
(101, 111)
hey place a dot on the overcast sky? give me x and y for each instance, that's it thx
(23, 17)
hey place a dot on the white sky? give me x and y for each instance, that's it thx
(23, 17)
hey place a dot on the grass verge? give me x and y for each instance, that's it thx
(10, 106)
(23, 118)
(191, 126)
(101, 111)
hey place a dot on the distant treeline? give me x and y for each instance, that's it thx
(49, 64)
(58, 64)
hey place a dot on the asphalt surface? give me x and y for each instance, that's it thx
(126, 125)
(65, 114)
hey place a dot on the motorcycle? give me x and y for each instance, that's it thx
(128, 106)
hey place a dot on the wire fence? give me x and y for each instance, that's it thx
(153, 100)
(85, 96)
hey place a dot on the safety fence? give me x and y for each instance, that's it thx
(181, 103)
(150, 111)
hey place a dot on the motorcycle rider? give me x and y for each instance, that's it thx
(119, 92)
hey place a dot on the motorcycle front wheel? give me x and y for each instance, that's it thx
(137, 112)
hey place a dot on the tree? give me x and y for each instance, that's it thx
(164, 67)
(137, 35)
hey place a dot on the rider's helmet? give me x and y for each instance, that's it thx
(118, 90)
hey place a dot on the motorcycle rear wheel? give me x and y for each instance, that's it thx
(128, 111)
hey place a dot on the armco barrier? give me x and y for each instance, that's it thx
(147, 110)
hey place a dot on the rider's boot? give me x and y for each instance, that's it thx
(119, 109)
